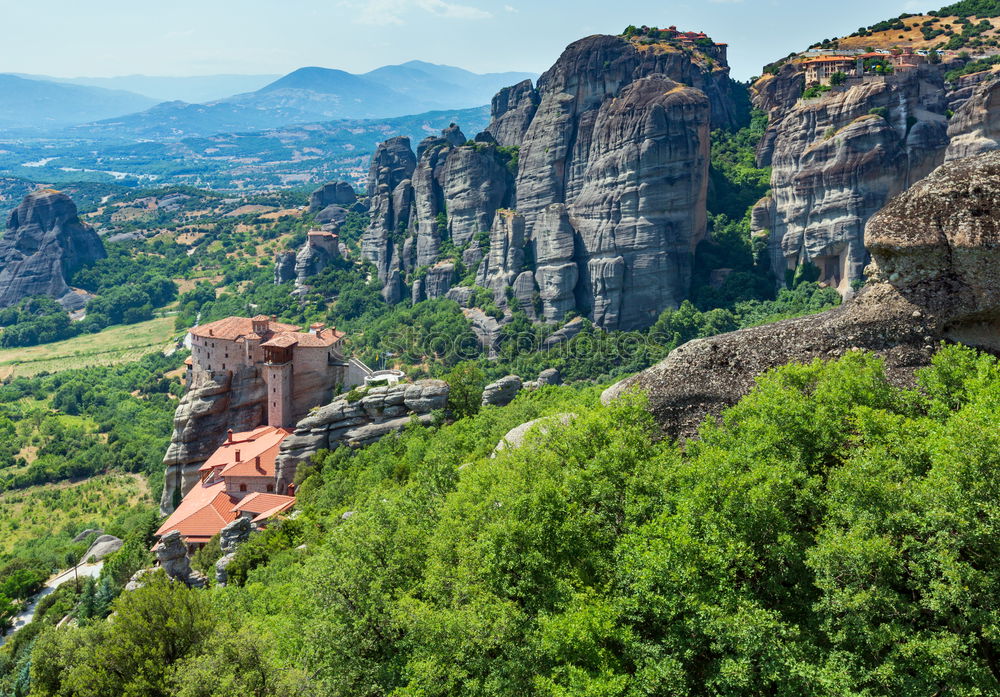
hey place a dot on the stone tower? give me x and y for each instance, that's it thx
(278, 378)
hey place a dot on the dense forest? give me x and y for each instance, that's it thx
(832, 535)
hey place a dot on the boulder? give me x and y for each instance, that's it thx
(935, 276)
(375, 414)
(87, 533)
(502, 392)
(550, 376)
(231, 537)
(515, 437)
(172, 557)
(101, 547)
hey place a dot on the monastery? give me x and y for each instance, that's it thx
(301, 369)
(296, 371)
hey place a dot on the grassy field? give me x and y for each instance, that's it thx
(41, 511)
(120, 344)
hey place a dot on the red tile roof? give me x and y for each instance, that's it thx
(258, 503)
(251, 444)
(281, 341)
(203, 512)
(233, 328)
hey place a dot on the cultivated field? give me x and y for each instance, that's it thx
(120, 344)
(41, 511)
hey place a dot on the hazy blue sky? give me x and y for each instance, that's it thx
(195, 37)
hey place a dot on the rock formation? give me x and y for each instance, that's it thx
(502, 392)
(230, 538)
(44, 246)
(837, 159)
(332, 194)
(172, 557)
(935, 277)
(213, 404)
(449, 192)
(101, 547)
(359, 421)
(511, 113)
(609, 200)
(613, 173)
(975, 126)
(515, 437)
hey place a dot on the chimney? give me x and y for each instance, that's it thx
(229, 437)
(237, 455)
(257, 464)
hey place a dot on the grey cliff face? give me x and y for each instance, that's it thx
(934, 277)
(975, 126)
(608, 201)
(612, 178)
(511, 112)
(835, 164)
(451, 194)
(44, 246)
(639, 212)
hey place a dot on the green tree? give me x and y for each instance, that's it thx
(465, 389)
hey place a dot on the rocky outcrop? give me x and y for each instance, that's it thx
(213, 404)
(511, 112)
(505, 259)
(935, 277)
(837, 159)
(390, 193)
(359, 421)
(44, 246)
(230, 538)
(613, 175)
(172, 557)
(975, 126)
(319, 251)
(332, 194)
(502, 392)
(101, 547)
(284, 267)
(450, 194)
(610, 186)
(549, 376)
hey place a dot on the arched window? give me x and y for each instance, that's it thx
(243, 487)
(270, 488)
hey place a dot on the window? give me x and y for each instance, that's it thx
(243, 487)
(270, 488)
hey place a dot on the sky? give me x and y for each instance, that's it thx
(101, 38)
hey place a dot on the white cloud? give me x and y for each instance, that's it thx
(393, 11)
(510, 8)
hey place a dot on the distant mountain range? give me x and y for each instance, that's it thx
(306, 95)
(41, 105)
(194, 89)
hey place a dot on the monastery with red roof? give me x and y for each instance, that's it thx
(301, 369)
(297, 371)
